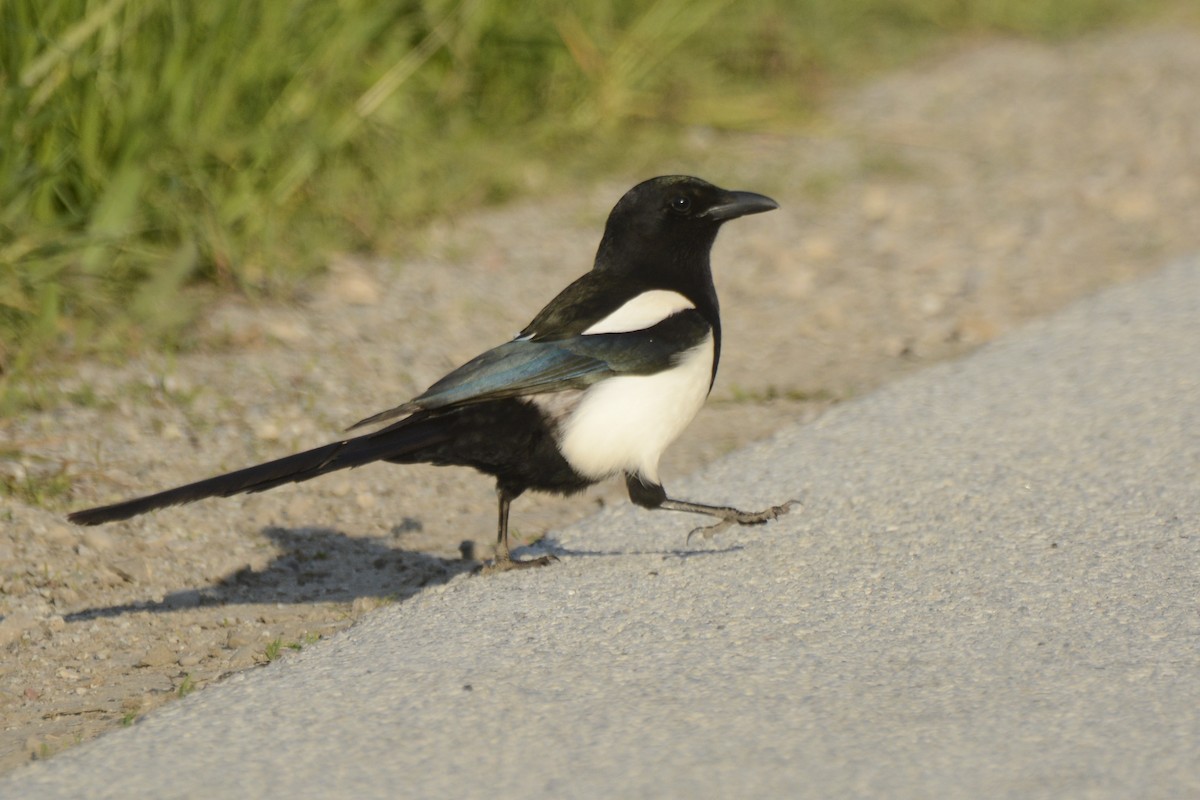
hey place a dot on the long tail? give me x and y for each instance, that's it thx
(393, 442)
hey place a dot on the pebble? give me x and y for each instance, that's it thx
(244, 656)
(362, 605)
(13, 625)
(267, 431)
(135, 569)
(352, 284)
(176, 384)
(818, 247)
(301, 507)
(66, 596)
(98, 540)
(286, 331)
(59, 536)
(931, 305)
(157, 656)
(876, 203)
(238, 638)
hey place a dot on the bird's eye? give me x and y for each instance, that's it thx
(681, 204)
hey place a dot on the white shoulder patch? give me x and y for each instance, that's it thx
(644, 311)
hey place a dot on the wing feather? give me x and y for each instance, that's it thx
(527, 367)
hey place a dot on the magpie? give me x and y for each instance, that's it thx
(602, 380)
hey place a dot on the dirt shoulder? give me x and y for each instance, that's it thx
(932, 211)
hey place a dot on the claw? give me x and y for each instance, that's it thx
(743, 518)
(505, 564)
(708, 531)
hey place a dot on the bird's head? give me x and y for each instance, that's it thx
(671, 219)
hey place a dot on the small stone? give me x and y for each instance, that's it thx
(134, 569)
(176, 384)
(244, 656)
(301, 507)
(66, 596)
(267, 431)
(237, 638)
(818, 248)
(189, 660)
(365, 500)
(98, 540)
(157, 656)
(59, 536)
(13, 625)
(353, 285)
(876, 203)
(931, 305)
(286, 331)
(800, 283)
(976, 329)
(362, 605)
(895, 346)
(1134, 206)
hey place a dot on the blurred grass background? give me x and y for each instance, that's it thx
(148, 147)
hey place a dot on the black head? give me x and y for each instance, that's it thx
(671, 220)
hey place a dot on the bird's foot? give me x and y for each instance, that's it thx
(736, 517)
(504, 564)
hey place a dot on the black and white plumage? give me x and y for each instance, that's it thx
(602, 380)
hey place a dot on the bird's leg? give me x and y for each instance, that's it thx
(727, 515)
(655, 496)
(503, 560)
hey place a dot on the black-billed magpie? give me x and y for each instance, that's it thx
(602, 380)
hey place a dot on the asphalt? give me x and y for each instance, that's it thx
(992, 590)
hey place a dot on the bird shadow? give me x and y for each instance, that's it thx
(324, 565)
(313, 565)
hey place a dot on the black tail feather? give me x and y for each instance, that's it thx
(394, 442)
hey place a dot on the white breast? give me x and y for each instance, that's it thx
(625, 423)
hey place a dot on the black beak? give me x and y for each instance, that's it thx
(739, 204)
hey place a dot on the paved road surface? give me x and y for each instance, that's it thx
(993, 591)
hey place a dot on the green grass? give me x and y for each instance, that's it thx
(275, 647)
(155, 153)
(31, 480)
